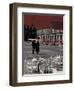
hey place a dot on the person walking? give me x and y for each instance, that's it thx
(37, 47)
(33, 46)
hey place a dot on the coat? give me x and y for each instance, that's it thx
(37, 46)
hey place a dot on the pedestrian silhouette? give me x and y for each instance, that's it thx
(37, 47)
(33, 46)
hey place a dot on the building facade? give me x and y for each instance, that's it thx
(50, 36)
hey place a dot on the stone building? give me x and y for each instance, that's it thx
(50, 36)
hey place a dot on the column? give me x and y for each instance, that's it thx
(59, 39)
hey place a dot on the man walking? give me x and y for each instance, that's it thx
(37, 46)
(33, 46)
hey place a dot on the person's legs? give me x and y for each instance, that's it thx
(32, 51)
(37, 51)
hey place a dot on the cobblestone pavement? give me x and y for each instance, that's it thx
(46, 51)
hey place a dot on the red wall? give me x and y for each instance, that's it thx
(43, 21)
